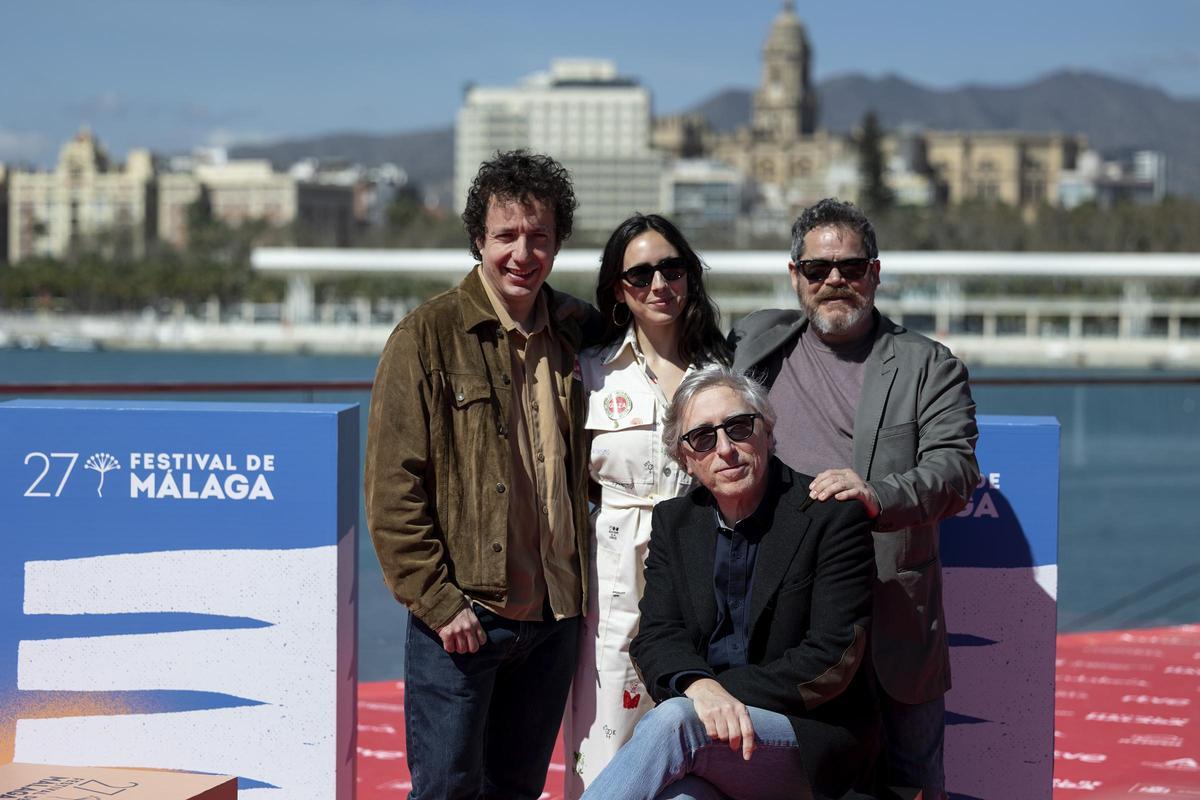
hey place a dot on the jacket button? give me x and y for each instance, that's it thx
(459, 396)
(541, 458)
(503, 430)
(500, 488)
(496, 547)
(505, 380)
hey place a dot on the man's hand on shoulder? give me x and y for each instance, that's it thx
(463, 634)
(844, 484)
(724, 716)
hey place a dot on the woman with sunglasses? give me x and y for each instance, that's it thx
(659, 324)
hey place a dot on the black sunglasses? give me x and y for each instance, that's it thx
(818, 269)
(642, 275)
(738, 428)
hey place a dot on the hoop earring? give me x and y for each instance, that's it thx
(628, 315)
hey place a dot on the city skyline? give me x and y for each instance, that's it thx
(219, 72)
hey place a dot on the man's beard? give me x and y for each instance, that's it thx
(839, 322)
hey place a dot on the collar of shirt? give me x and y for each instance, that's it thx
(630, 342)
(541, 314)
(751, 528)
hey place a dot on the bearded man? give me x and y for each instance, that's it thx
(881, 416)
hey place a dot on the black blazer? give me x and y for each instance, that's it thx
(809, 612)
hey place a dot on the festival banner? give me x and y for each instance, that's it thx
(178, 590)
(1000, 565)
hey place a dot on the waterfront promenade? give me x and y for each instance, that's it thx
(1055, 344)
(1003, 309)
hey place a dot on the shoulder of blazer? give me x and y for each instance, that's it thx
(755, 323)
(762, 333)
(912, 345)
(695, 501)
(769, 322)
(841, 512)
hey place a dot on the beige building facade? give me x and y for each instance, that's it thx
(1010, 167)
(245, 190)
(85, 196)
(88, 200)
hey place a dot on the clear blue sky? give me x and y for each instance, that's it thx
(172, 74)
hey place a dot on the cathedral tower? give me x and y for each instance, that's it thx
(785, 106)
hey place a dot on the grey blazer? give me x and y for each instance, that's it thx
(914, 443)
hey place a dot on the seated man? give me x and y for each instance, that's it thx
(754, 620)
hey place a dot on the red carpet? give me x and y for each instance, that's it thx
(382, 771)
(1125, 713)
(1126, 721)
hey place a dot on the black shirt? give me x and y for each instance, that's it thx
(735, 551)
(734, 555)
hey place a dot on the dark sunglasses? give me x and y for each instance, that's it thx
(818, 269)
(738, 428)
(642, 275)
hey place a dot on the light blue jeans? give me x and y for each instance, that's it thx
(672, 757)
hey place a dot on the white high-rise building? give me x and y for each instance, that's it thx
(596, 123)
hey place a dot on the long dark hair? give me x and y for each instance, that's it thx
(700, 338)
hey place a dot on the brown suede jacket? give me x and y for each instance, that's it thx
(438, 454)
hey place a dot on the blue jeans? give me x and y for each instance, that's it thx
(915, 735)
(672, 756)
(482, 725)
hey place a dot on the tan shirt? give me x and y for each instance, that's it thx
(542, 557)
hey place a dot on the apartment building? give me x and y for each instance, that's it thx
(242, 190)
(85, 196)
(581, 112)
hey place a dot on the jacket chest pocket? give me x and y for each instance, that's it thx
(467, 390)
(625, 437)
(895, 449)
(473, 415)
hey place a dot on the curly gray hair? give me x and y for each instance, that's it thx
(713, 376)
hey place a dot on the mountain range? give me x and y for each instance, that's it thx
(1115, 115)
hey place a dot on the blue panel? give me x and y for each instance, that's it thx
(1012, 520)
(129, 479)
(1000, 556)
(193, 448)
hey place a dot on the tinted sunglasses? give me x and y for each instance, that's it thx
(738, 428)
(642, 275)
(818, 269)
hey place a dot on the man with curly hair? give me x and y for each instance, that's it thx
(476, 493)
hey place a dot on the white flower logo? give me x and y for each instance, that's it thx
(102, 463)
